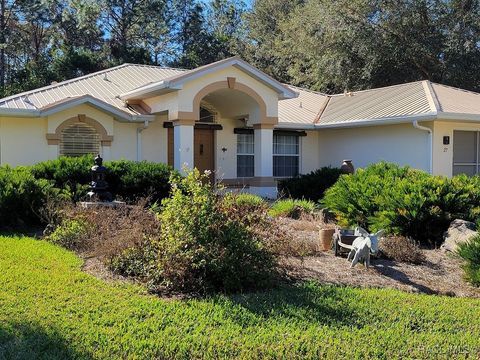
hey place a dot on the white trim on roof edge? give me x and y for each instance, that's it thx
(380, 121)
(85, 99)
(176, 82)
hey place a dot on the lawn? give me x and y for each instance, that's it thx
(50, 309)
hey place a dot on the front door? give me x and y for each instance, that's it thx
(203, 156)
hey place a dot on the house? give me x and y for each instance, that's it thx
(234, 119)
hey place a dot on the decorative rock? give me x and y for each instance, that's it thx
(459, 232)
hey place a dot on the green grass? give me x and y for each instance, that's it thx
(291, 208)
(50, 309)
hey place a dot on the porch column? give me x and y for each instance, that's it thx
(183, 144)
(263, 183)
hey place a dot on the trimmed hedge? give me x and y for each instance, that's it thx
(21, 198)
(310, 186)
(403, 201)
(128, 180)
(25, 190)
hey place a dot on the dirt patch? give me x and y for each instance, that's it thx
(440, 274)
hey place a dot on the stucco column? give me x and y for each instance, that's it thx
(263, 183)
(263, 138)
(183, 144)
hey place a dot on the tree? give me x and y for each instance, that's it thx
(135, 28)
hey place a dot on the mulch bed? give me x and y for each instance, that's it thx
(441, 273)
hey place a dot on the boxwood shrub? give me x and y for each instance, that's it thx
(403, 201)
(128, 180)
(21, 198)
(310, 186)
(25, 190)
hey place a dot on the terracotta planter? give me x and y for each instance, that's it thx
(325, 237)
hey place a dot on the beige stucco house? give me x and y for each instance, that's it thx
(236, 120)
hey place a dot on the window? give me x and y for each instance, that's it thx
(466, 159)
(245, 155)
(79, 139)
(207, 115)
(286, 150)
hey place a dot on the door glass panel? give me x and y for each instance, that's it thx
(464, 169)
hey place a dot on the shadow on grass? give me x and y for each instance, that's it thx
(386, 269)
(325, 304)
(27, 341)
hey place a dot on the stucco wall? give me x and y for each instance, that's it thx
(23, 141)
(401, 144)
(226, 162)
(443, 154)
(309, 151)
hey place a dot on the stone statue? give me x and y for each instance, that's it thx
(98, 185)
(363, 245)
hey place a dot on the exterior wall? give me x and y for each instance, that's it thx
(23, 141)
(309, 149)
(181, 101)
(401, 144)
(226, 162)
(443, 154)
(154, 142)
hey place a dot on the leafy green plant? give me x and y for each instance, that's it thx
(292, 208)
(71, 234)
(310, 186)
(200, 247)
(129, 180)
(470, 252)
(403, 201)
(21, 197)
(244, 200)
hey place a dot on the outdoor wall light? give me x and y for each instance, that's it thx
(446, 140)
(224, 149)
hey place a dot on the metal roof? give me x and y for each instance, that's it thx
(422, 100)
(104, 85)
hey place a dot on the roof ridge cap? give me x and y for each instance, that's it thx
(322, 110)
(432, 97)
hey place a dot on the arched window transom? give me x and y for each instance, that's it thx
(79, 139)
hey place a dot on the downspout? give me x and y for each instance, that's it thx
(139, 140)
(430, 143)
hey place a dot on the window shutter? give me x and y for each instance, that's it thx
(79, 139)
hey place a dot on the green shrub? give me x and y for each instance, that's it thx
(470, 252)
(70, 174)
(133, 180)
(310, 186)
(291, 208)
(244, 200)
(71, 234)
(21, 198)
(200, 247)
(128, 180)
(403, 201)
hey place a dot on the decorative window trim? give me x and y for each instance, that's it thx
(55, 138)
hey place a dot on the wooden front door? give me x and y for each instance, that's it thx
(203, 156)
